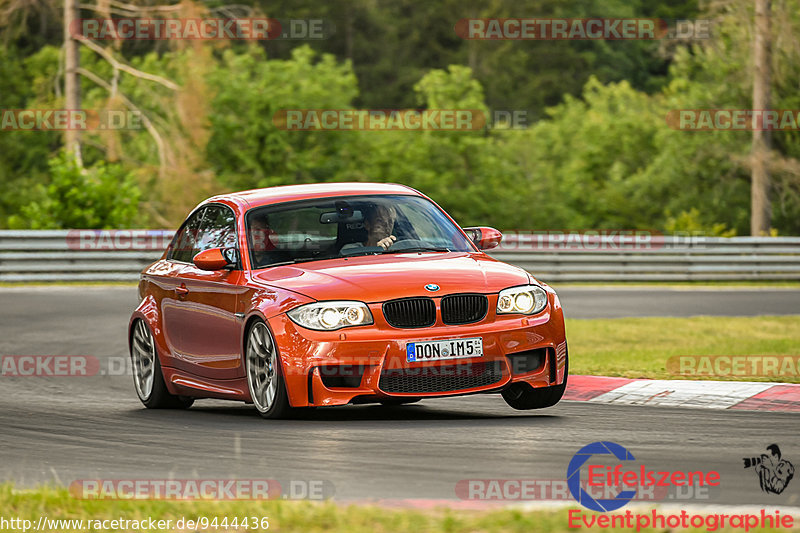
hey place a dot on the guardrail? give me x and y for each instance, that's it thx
(78, 255)
(87, 255)
(655, 258)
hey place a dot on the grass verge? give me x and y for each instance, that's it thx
(289, 516)
(641, 347)
(285, 516)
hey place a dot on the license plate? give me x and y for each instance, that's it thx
(444, 349)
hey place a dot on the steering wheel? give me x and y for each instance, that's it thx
(402, 244)
(354, 249)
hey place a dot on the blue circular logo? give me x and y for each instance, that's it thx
(432, 287)
(574, 476)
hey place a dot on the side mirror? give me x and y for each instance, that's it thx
(214, 259)
(485, 238)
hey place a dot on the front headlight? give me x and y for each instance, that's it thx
(528, 300)
(328, 316)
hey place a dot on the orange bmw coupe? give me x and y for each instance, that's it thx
(331, 294)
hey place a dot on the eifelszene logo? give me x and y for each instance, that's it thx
(574, 476)
(774, 473)
(625, 481)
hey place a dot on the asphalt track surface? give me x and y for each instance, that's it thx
(64, 429)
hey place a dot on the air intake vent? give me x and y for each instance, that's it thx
(446, 378)
(527, 361)
(410, 312)
(464, 308)
(341, 376)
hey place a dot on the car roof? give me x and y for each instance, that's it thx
(290, 193)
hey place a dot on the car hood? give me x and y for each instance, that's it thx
(384, 277)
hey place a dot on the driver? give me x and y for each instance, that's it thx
(379, 223)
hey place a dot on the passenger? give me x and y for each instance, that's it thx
(263, 246)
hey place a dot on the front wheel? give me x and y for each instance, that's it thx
(522, 396)
(264, 376)
(148, 379)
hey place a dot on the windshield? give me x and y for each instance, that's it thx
(329, 228)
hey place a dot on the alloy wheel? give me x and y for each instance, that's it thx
(262, 367)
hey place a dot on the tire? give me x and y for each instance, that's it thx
(523, 397)
(264, 375)
(148, 380)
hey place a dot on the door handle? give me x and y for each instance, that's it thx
(182, 290)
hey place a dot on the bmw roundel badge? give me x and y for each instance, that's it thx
(432, 287)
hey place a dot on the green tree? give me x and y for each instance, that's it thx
(23, 154)
(101, 197)
(246, 148)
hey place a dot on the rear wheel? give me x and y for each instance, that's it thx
(264, 376)
(523, 397)
(147, 377)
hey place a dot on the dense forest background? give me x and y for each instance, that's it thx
(596, 151)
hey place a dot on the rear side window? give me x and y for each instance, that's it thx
(184, 244)
(213, 226)
(218, 229)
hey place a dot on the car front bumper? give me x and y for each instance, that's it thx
(369, 363)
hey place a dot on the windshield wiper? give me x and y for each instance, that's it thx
(298, 260)
(418, 249)
(358, 253)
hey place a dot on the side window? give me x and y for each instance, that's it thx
(185, 240)
(218, 229)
